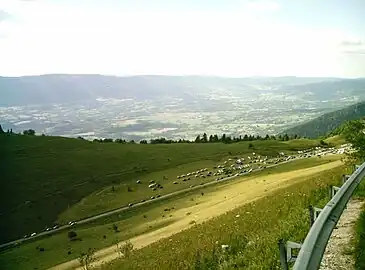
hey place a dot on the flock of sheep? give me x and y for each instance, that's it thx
(236, 167)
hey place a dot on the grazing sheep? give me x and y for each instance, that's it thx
(175, 183)
(138, 181)
(224, 247)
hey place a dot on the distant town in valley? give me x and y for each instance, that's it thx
(172, 107)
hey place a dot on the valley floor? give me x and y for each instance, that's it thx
(225, 198)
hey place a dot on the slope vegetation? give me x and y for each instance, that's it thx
(43, 176)
(251, 232)
(328, 122)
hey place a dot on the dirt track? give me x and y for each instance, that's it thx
(226, 198)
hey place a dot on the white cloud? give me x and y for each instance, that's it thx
(50, 38)
(260, 5)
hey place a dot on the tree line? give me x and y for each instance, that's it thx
(204, 138)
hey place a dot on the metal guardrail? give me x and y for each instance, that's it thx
(311, 251)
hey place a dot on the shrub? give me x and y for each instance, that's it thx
(126, 249)
(115, 228)
(71, 235)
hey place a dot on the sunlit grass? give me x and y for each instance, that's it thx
(132, 222)
(253, 235)
(43, 177)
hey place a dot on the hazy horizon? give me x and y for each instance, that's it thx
(178, 75)
(237, 38)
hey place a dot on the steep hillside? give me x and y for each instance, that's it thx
(43, 176)
(328, 122)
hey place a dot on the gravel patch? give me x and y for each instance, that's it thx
(336, 256)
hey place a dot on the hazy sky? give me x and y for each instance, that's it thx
(204, 37)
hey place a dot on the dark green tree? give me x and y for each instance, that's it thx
(228, 139)
(197, 140)
(1, 130)
(354, 134)
(27, 132)
(205, 138)
(223, 139)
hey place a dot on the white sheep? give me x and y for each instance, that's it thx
(224, 247)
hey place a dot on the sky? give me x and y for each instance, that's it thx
(235, 38)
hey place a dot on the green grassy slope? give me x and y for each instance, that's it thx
(251, 231)
(43, 176)
(134, 221)
(328, 122)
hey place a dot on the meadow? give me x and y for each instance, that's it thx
(135, 221)
(251, 231)
(45, 177)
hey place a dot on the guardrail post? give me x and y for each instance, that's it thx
(311, 216)
(334, 190)
(283, 257)
(289, 246)
(345, 178)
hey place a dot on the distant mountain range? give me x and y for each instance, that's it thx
(61, 88)
(328, 122)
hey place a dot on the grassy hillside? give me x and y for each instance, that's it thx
(328, 122)
(251, 231)
(43, 176)
(135, 221)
